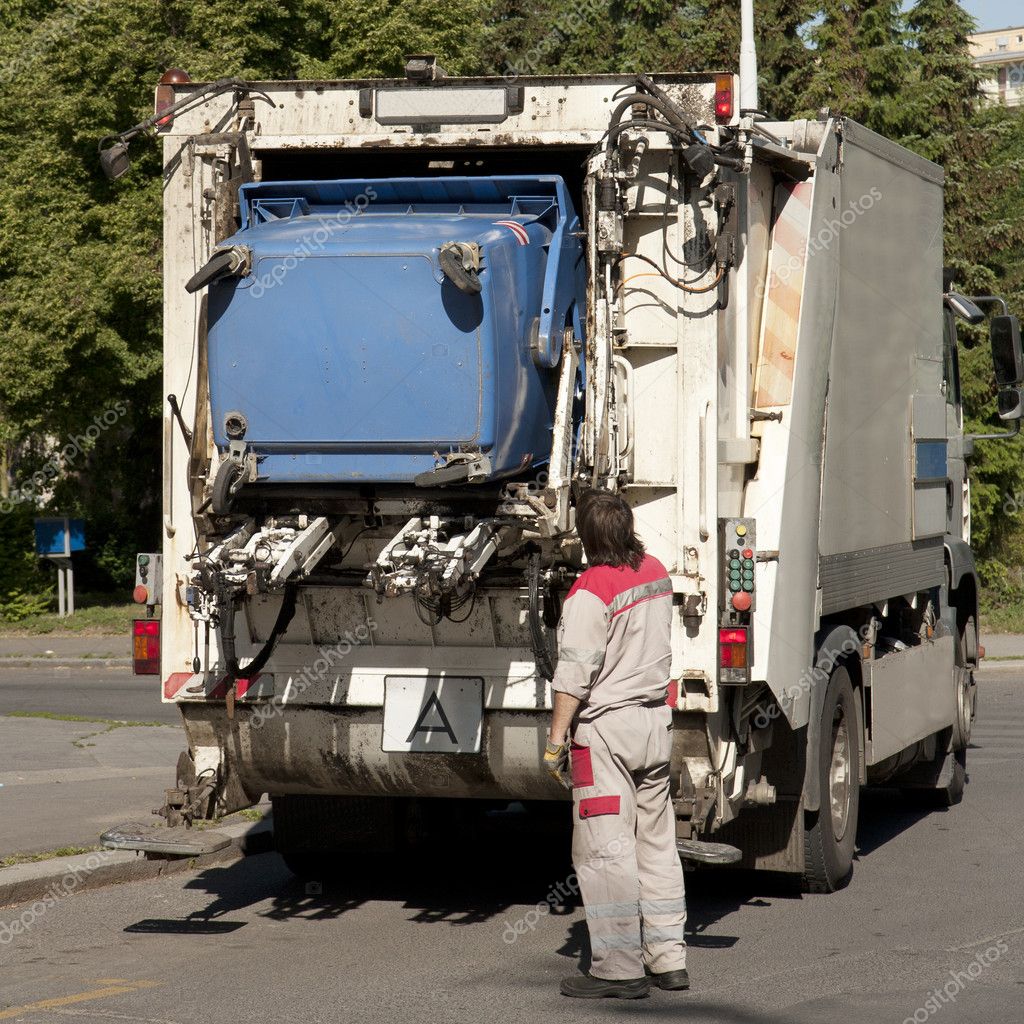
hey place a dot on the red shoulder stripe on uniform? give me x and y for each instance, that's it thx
(607, 581)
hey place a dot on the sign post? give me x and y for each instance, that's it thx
(56, 538)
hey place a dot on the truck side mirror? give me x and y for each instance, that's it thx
(1004, 332)
(964, 308)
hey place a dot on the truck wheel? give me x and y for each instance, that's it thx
(222, 497)
(963, 680)
(831, 831)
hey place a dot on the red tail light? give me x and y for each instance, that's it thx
(723, 98)
(165, 92)
(732, 647)
(146, 647)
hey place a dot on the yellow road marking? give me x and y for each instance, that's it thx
(78, 997)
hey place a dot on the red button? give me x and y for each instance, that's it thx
(141, 594)
(741, 601)
(748, 553)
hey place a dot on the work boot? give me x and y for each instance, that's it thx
(672, 981)
(584, 986)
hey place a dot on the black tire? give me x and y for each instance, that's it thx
(830, 833)
(222, 497)
(966, 645)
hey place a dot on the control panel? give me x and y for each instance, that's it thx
(738, 598)
(739, 553)
(148, 578)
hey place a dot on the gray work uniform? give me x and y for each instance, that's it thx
(614, 655)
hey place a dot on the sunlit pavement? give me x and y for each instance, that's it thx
(930, 928)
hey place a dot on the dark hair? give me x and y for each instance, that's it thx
(605, 524)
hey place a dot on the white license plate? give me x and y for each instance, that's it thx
(440, 715)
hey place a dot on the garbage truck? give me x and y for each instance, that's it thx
(408, 322)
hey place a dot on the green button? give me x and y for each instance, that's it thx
(734, 585)
(748, 577)
(748, 585)
(143, 559)
(748, 563)
(734, 563)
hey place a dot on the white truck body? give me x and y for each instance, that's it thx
(796, 386)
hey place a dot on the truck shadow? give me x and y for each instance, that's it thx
(505, 875)
(885, 814)
(510, 874)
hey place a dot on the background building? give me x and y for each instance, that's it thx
(1001, 51)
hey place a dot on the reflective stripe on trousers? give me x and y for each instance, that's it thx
(624, 843)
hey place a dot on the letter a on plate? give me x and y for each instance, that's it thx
(433, 704)
(433, 714)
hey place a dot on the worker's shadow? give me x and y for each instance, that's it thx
(712, 896)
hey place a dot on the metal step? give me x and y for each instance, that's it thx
(708, 853)
(172, 842)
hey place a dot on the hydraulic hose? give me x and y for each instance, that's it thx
(284, 617)
(541, 653)
(674, 113)
(226, 634)
(647, 100)
(736, 163)
(654, 96)
(226, 629)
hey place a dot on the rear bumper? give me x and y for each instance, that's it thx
(338, 751)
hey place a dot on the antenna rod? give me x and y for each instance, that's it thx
(748, 58)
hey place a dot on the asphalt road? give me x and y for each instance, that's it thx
(89, 690)
(935, 904)
(63, 782)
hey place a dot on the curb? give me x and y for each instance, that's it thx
(50, 881)
(43, 661)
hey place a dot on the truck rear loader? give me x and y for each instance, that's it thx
(408, 321)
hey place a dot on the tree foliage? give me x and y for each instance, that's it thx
(80, 259)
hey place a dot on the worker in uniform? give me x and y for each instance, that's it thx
(610, 693)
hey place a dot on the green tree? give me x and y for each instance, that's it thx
(610, 36)
(985, 239)
(982, 151)
(80, 274)
(839, 77)
(946, 82)
(889, 77)
(80, 258)
(785, 61)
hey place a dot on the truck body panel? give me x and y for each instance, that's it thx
(756, 354)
